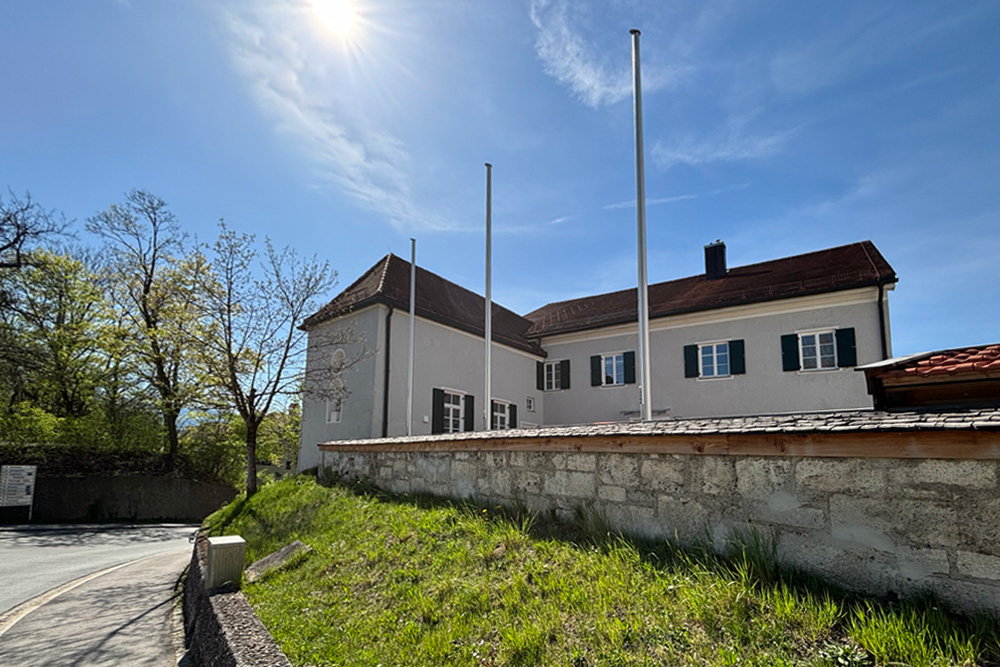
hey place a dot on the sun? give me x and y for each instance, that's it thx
(337, 15)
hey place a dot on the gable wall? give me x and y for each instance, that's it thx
(362, 406)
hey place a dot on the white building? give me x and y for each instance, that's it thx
(774, 337)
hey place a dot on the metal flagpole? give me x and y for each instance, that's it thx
(488, 410)
(645, 402)
(413, 317)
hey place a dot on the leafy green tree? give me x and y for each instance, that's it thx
(58, 308)
(154, 300)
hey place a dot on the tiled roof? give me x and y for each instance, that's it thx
(845, 267)
(437, 299)
(976, 360)
(987, 419)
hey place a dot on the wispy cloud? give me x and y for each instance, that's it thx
(676, 198)
(734, 141)
(592, 75)
(283, 65)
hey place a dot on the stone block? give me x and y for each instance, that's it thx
(717, 474)
(683, 519)
(614, 494)
(866, 476)
(965, 474)
(463, 471)
(528, 482)
(759, 477)
(558, 461)
(979, 566)
(581, 462)
(662, 474)
(572, 484)
(782, 507)
(517, 459)
(619, 469)
(919, 564)
(632, 520)
(915, 523)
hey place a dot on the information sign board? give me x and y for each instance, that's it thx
(17, 486)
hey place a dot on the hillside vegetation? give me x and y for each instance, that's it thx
(418, 581)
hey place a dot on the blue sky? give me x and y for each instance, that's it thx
(779, 127)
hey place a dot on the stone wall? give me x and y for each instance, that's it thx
(898, 516)
(220, 627)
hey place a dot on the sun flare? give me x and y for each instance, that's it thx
(337, 15)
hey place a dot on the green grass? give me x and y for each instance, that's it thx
(417, 581)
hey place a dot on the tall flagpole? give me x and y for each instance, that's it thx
(645, 402)
(413, 317)
(488, 408)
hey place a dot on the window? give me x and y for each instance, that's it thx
(503, 416)
(529, 404)
(612, 369)
(334, 409)
(714, 360)
(552, 375)
(338, 390)
(452, 411)
(819, 350)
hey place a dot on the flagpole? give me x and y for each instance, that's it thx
(413, 317)
(645, 403)
(488, 408)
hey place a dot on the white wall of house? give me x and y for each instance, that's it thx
(444, 357)
(449, 358)
(360, 409)
(764, 388)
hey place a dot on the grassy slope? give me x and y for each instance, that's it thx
(419, 582)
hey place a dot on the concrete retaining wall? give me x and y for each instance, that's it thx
(869, 522)
(126, 497)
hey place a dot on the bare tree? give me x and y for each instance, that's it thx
(149, 282)
(252, 349)
(22, 224)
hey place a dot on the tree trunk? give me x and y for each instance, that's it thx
(251, 458)
(170, 421)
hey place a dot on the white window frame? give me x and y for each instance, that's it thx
(714, 356)
(553, 375)
(335, 404)
(500, 409)
(450, 407)
(817, 356)
(616, 367)
(529, 403)
(334, 410)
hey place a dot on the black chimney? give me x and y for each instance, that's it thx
(715, 260)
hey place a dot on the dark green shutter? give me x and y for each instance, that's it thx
(737, 360)
(437, 411)
(512, 417)
(596, 379)
(470, 413)
(847, 351)
(629, 367)
(539, 376)
(564, 374)
(493, 418)
(790, 352)
(690, 361)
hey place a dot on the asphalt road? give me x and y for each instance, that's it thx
(35, 559)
